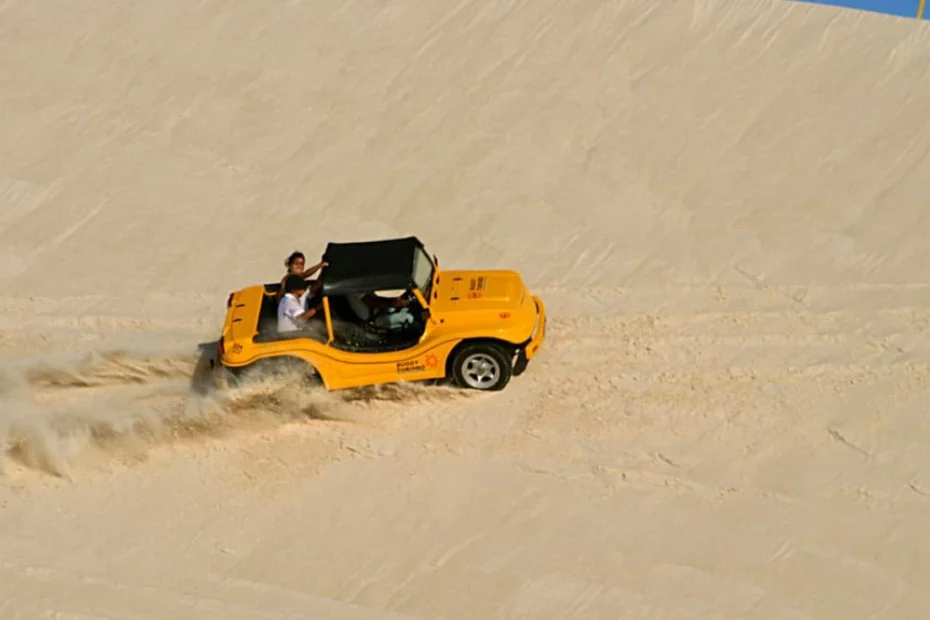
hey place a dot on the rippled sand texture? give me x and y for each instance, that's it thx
(723, 203)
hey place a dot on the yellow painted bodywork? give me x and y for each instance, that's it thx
(463, 305)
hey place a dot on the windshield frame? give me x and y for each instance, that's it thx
(427, 286)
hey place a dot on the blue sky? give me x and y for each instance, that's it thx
(907, 8)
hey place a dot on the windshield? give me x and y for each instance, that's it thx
(423, 272)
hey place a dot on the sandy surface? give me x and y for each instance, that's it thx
(724, 204)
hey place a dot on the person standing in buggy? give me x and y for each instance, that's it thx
(295, 266)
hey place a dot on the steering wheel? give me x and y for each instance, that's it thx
(377, 312)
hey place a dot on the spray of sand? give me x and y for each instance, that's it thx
(126, 403)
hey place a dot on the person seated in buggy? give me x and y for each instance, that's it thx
(370, 287)
(293, 311)
(382, 314)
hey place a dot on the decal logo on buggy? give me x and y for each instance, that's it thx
(237, 348)
(410, 366)
(432, 362)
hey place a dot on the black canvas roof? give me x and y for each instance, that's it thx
(365, 266)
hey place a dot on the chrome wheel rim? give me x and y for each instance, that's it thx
(480, 371)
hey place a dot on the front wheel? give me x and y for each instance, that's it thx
(482, 367)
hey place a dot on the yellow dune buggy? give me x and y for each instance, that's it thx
(475, 328)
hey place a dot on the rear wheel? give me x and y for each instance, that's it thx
(275, 367)
(482, 366)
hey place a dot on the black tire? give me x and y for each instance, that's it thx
(482, 366)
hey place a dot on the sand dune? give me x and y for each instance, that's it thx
(723, 204)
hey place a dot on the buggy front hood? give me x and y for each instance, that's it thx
(478, 290)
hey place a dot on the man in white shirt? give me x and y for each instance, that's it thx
(291, 313)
